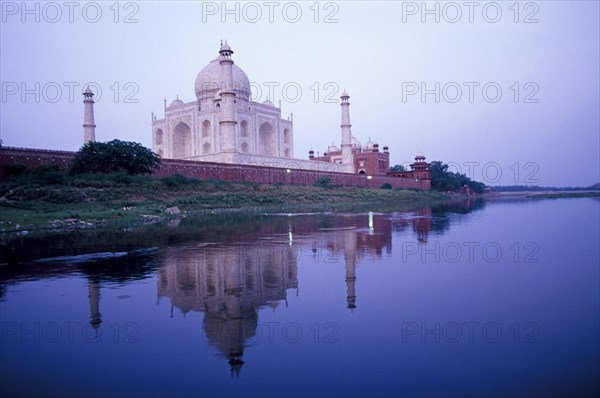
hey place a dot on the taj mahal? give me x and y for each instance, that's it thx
(224, 125)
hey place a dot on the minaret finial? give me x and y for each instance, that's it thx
(225, 50)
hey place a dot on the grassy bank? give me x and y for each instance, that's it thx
(50, 199)
(556, 195)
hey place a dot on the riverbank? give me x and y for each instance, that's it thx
(89, 201)
(569, 194)
(543, 194)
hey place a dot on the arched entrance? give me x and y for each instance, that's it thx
(182, 141)
(267, 141)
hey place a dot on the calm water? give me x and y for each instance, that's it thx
(494, 299)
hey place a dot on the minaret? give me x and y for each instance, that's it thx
(347, 157)
(227, 121)
(89, 128)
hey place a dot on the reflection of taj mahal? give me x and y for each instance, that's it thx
(230, 283)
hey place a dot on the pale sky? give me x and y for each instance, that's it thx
(543, 56)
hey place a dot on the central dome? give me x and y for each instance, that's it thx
(210, 80)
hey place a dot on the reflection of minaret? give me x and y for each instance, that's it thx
(94, 298)
(350, 258)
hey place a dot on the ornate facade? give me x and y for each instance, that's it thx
(224, 125)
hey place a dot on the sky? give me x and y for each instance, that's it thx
(506, 92)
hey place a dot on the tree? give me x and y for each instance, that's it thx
(444, 180)
(397, 168)
(115, 156)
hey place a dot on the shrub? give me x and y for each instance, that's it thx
(121, 178)
(323, 182)
(47, 174)
(14, 170)
(386, 185)
(115, 156)
(176, 180)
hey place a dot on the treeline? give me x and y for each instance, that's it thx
(444, 180)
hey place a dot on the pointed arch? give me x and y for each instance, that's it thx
(206, 148)
(244, 128)
(182, 141)
(286, 136)
(206, 129)
(266, 140)
(158, 137)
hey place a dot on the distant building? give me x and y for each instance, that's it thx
(368, 160)
(419, 171)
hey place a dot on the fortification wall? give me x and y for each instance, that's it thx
(218, 171)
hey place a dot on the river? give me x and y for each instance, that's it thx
(475, 298)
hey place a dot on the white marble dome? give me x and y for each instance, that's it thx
(209, 81)
(176, 102)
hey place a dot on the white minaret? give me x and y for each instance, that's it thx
(227, 122)
(347, 157)
(89, 128)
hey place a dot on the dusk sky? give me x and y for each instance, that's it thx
(530, 68)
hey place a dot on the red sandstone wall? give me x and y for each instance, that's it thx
(217, 171)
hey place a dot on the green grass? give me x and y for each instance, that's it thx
(29, 202)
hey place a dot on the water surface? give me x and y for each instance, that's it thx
(468, 299)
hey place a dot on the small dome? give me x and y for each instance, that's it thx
(356, 143)
(88, 90)
(267, 102)
(420, 156)
(345, 94)
(225, 47)
(176, 102)
(332, 148)
(370, 144)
